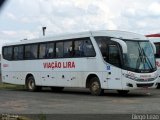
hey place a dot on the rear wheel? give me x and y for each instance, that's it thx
(57, 89)
(95, 87)
(123, 92)
(31, 86)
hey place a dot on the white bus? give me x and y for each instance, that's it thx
(96, 60)
(155, 38)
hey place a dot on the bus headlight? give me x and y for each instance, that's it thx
(140, 79)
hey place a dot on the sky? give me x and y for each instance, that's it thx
(21, 19)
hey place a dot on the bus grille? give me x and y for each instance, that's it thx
(145, 80)
(145, 85)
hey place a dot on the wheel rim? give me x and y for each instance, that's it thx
(31, 84)
(95, 87)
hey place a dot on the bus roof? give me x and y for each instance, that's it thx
(109, 33)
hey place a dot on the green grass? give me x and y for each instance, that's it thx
(23, 118)
(4, 86)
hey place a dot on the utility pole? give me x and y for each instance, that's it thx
(43, 29)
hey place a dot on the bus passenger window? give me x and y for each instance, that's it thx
(59, 49)
(49, 50)
(88, 49)
(34, 51)
(31, 52)
(114, 56)
(78, 48)
(7, 53)
(15, 53)
(42, 49)
(18, 53)
(68, 50)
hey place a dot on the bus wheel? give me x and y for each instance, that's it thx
(123, 92)
(95, 87)
(57, 89)
(31, 86)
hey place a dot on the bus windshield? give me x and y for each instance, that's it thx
(140, 56)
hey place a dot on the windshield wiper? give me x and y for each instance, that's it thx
(143, 58)
(149, 62)
(140, 58)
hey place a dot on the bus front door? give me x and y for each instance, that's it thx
(114, 71)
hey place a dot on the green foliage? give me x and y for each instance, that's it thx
(11, 86)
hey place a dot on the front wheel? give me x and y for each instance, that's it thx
(95, 87)
(31, 86)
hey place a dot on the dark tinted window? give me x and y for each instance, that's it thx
(114, 56)
(59, 49)
(31, 51)
(110, 50)
(42, 50)
(7, 53)
(49, 50)
(18, 53)
(157, 50)
(103, 46)
(46, 50)
(88, 48)
(68, 49)
(78, 48)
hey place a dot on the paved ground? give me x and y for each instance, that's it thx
(78, 101)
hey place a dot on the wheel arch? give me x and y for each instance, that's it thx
(89, 78)
(27, 76)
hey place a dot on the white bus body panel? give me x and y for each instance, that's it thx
(73, 72)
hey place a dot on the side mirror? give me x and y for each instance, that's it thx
(122, 43)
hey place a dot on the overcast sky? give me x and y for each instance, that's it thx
(21, 19)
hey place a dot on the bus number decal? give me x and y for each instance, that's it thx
(56, 64)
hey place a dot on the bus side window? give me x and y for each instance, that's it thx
(31, 51)
(157, 55)
(42, 49)
(114, 55)
(7, 53)
(102, 44)
(49, 53)
(34, 51)
(18, 53)
(68, 49)
(15, 53)
(59, 49)
(88, 48)
(78, 48)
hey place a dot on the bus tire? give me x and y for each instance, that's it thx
(95, 87)
(123, 92)
(57, 89)
(31, 85)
